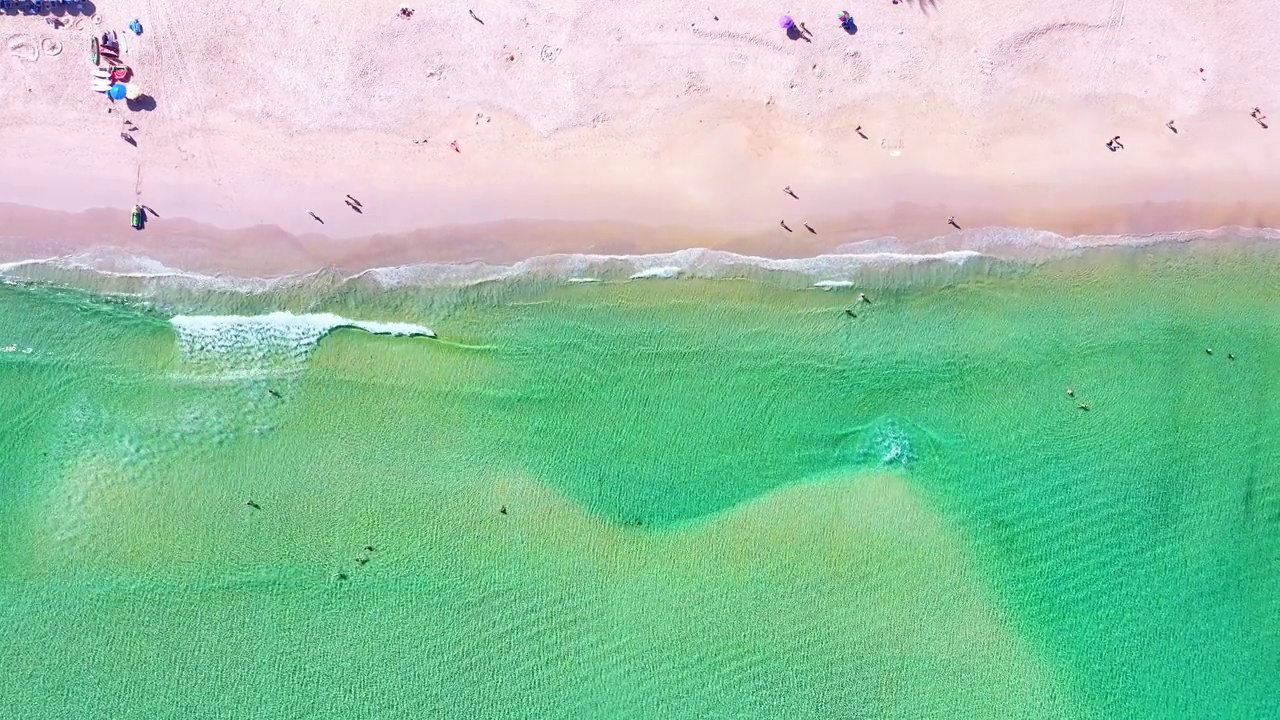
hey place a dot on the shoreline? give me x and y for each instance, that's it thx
(868, 263)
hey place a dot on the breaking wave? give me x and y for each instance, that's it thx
(867, 263)
(273, 337)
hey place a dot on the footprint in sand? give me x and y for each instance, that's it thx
(24, 48)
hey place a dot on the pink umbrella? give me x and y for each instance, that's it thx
(785, 22)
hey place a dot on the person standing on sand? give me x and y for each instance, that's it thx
(783, 223)
(315, 217)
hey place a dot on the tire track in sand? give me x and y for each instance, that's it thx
(173, 64)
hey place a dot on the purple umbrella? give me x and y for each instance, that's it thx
(785, 22)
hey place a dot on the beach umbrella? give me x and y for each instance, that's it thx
(132, 92)
(116, 92)
(785, 22)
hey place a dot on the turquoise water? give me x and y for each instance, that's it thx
(652, 498)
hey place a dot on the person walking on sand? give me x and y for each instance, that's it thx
(788, 191)
(1171, 127)
(357, 202)
(952, 222)
(809, 227)
(315, 217)
(783, 223)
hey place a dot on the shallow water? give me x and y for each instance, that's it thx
(650, 498)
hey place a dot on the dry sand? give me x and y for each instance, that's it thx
(593, 126)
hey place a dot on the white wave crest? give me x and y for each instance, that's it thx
(274, 336)
(665, 272)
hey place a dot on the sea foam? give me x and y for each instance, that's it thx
(863, 263)
(273, 336)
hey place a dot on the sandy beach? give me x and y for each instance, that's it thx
(583, 127)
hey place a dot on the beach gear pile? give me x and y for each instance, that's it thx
(107, 72)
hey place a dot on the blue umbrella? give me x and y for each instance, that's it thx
(117, 91)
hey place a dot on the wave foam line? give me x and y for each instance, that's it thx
(276, 335)
(1016, 245)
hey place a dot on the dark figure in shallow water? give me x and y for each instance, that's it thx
(503, 510)
(849, 311)
(274, 394)
(252, 504)
(1231, 356)
(369, 548)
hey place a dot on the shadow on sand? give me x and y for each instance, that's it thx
(794, 33)
(144, 103)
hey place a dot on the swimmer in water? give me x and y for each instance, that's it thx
(252, 504)
(1071, 392)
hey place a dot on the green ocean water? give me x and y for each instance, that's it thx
(651, 499)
